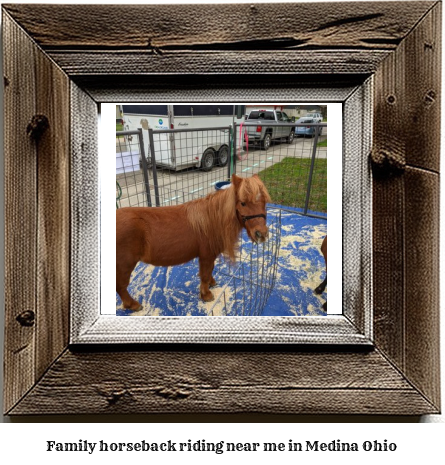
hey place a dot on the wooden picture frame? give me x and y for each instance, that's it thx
(57, 70)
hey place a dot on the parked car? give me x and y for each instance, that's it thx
(307, 130)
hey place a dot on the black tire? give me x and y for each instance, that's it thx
(208, 159)
(291, 136)
(267, 141)
(223, 155)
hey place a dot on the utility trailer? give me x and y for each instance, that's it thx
(195, 135)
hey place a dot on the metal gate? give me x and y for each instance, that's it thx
(132, 175)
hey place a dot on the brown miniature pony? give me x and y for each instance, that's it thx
(203, 228)
(320, 289)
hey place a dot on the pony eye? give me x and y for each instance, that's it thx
(243, 204)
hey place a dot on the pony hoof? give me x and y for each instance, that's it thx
(208, 297)
(214, 284)
(134, 308)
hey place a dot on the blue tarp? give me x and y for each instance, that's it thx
(174, 291)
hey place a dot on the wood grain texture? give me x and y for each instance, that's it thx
(84, 207)
(423, 92)
(20, 211)
(260, 26)
(406, 207)
(53, 213)
(357, 209)
(407, 118)
(88, 329)
(177, 39)
(37, 222)
(217, 87)
(129, 63)
(422, 364)
(221, 382)
(388, 268)
(389, 140)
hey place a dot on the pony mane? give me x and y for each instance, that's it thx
(214, 216)
(251, 189)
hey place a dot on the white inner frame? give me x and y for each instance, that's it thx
(88, 325)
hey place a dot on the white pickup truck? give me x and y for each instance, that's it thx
(268, 127)
(315, 116)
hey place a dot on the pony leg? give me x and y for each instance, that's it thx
(122, 282)
(205, 273)
(212, 279)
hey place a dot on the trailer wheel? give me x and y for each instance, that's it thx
(223, 155)
(208, 159)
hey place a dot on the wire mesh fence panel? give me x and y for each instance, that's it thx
(189, 163)
(291, 160)
(250, 281)
(132, 182)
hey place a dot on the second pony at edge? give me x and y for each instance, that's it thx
(203, 228)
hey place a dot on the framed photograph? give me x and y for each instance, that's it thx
(375, 352)
(184, 156)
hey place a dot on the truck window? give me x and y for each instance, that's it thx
(258, 114)
(254, 115)
(279, 117)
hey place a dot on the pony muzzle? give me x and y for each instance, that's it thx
(260, 236)
(256, 232)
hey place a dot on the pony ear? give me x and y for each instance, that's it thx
(236, 181)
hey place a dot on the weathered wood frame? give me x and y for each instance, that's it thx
(65, 61)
